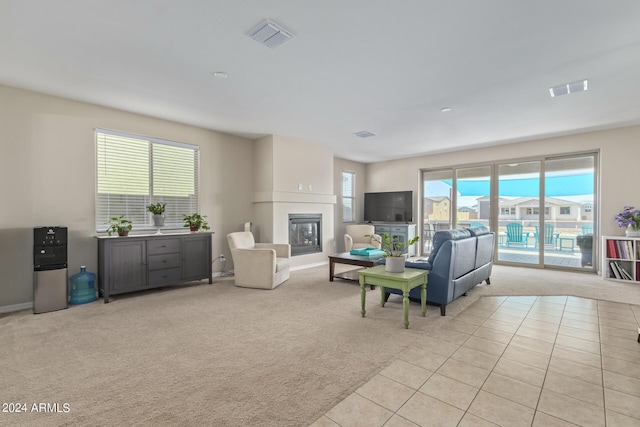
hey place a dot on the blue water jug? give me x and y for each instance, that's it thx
(82, 287)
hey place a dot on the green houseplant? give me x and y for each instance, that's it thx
(157, 209)
(195, 222)
(120, 225)
(393, 251)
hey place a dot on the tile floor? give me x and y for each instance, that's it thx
(510, 361)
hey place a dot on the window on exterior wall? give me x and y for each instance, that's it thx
(134, 171)
(565, 210)
(348, 196)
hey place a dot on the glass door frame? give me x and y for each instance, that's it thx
(494, 202)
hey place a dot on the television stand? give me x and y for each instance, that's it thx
(402, 232)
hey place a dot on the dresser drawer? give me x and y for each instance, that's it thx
(167, 276)
(160, 262)
(163, 246)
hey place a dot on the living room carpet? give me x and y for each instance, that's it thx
(228, 356)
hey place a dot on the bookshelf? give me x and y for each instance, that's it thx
(621, 259)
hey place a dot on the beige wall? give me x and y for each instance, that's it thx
(47, 178)
(619, 171)
(360, 169)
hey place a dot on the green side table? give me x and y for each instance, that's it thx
(411, 278)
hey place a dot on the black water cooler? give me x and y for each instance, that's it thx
(50, 279)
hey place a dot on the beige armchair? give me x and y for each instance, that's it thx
(355, 237)
(258, 265)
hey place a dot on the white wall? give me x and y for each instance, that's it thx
(47, 160)
(293, 177)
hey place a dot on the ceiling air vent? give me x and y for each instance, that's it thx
(270, 34)
(364, 134)
(567, 88)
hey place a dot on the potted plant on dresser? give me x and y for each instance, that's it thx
(157, 210)
(195, 222)
(120, 225)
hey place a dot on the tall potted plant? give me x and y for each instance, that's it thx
(157, 210)
(394, 251)
(195, 222)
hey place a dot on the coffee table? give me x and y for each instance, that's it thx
(409, 279)
(347, 258)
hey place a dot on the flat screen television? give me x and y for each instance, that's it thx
(389, 206)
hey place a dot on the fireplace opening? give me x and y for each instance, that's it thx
(305, 234)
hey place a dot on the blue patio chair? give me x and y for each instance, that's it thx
(550, 239)
(515, 235)
(475, 224)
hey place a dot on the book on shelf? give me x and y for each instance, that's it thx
(619, 272)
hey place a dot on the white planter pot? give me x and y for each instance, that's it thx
(394, 264)
(158, 220)
(630, 232)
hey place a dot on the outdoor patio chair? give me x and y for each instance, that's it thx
(550, 236)
(515, 235)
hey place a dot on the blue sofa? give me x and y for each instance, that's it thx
(460, 259)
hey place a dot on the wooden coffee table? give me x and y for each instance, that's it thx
(347, 258)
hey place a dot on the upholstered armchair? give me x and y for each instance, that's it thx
(258, 265)
(355, 237)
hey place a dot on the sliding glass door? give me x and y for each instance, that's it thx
(542, 210)
(437, 195)
(569, 190)
(519, 212)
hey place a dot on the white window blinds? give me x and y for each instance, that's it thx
(133, 171)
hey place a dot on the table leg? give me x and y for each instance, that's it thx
(332, 267)
(382, 296)
(363, 296)
(405, 307)
(423, 298)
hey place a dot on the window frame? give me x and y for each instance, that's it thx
(351, 198)
(181, 165)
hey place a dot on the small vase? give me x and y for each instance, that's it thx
(631, 232)
(194, 228)
(394, 264)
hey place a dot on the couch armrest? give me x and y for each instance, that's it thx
(348, 243)
(283, 250)
(254, 267)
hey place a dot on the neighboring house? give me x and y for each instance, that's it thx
(437, 208)
(525, 208)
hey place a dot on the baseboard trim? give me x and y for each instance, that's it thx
(16, 307)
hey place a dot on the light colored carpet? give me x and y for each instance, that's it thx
(227, 356)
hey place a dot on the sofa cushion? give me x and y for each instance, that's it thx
(442, 236)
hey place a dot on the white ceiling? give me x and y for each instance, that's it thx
(383, 66)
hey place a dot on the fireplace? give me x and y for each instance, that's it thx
(305, 233)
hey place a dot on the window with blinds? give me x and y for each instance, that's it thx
(348, 196)
(134, 171)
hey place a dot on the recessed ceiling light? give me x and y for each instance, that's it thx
(364, 134)
(220, 75)
(567, 88)
(445, 109)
